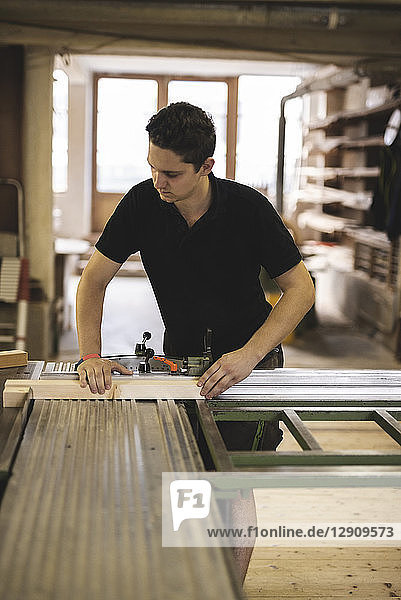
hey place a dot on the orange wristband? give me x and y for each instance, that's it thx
(90, 356)
(81, 360)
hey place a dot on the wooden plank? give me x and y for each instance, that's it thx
(15, 397)
(15, 390)
(13, 358)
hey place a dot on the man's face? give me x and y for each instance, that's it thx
(174, 180)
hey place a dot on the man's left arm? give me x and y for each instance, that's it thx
(298, 296)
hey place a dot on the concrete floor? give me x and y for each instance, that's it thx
(130, 309)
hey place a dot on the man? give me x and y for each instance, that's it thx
(202, 242)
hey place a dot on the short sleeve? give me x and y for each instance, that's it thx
(277, 250)
(120, 238)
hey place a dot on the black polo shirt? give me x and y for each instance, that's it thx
(206, 276)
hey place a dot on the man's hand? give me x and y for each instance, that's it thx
(97, 373)
(225, 372)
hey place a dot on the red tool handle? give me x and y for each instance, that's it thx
(173, 366)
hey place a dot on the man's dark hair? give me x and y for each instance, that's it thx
(186, 130)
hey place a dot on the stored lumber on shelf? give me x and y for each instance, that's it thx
(13, 358)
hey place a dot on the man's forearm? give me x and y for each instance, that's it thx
(298, 297)
(90, 299)
(283, 318)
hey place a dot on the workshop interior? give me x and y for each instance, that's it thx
(306, 101)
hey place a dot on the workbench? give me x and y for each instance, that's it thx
(81, 511)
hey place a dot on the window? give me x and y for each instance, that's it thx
(246, 145)
(259, 98)
(212, 97)
(60, 132)
(123, 110)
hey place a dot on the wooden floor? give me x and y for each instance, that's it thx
(324, 573)
(328, 573)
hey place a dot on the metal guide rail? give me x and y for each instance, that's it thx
(279, 377)
(295, 396)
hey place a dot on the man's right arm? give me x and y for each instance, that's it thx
(90, 296)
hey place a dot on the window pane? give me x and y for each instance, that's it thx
(212, 97)
(60, 131)
(259, 99)
(124, 108)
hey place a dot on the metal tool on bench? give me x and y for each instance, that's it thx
(144, 360)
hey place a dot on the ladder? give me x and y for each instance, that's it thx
(14, 279)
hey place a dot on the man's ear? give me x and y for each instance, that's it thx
(207, 166)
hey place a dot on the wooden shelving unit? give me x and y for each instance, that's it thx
(334, 172)
(349, 115)
(343, 141)
(368, 142)
(334, 143)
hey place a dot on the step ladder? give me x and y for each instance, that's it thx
(14, 279)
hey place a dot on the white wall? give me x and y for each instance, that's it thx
(37, 128)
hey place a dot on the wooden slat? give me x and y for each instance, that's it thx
(15, 390)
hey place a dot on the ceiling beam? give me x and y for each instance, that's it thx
(312, 31)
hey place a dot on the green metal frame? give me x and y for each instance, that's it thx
(311, 453)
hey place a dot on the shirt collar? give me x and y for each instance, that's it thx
(219, 198)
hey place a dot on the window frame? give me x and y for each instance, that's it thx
(67, 116)
(101, 200)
